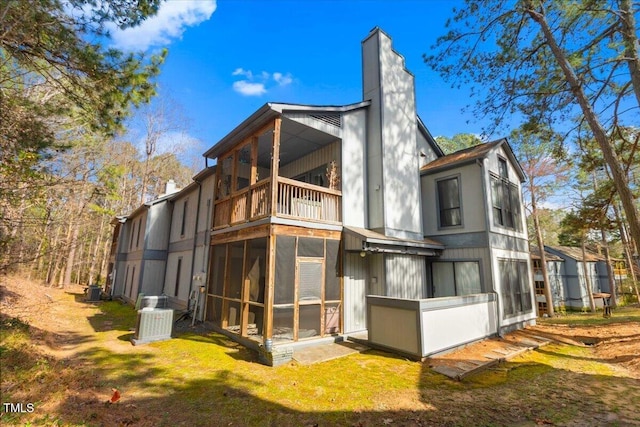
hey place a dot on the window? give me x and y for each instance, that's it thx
(133, 232)
(449, 202)
(502, 167)
(133, 275)
(178, 270)
(455, 278)
(514, 283)
(138, 234)
(317, 176)
(184, 218)
(505, 198)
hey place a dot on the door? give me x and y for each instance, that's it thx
(309, 297)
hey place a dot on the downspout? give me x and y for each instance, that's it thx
(147, 226)
(166, 260)
(483, 173)
(193, 252)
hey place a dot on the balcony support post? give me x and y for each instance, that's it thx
(275, 163)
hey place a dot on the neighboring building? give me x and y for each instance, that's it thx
(142, 240)
(334, 221)
(188, 248)
(162, 248)
(556, 274)
(573, 275)
(566, 274)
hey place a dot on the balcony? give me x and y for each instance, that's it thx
(292, 199)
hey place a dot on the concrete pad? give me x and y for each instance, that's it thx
(325, 352)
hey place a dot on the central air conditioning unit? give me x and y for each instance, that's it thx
(93, 293)
(153, 324)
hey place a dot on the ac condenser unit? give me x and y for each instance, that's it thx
(93, 293)
(153, 325)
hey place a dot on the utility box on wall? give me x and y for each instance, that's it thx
(153, 325)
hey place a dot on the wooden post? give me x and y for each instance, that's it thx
(275, 162)
(269, 285)
(254, 160)
(253, 177)
(244, 293)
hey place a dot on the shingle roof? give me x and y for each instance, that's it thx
(535, 254)
(576, 253)
(462, 156)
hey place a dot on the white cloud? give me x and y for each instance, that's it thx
(242, 72)
(168, 24)
(282, 80)
(247, 88)
(257, 84)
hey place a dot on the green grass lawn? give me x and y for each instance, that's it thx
(629, 313)
(206, 379)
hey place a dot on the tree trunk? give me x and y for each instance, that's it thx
(610, 273)
(620, 179)
(52, 256)
(71, 255)
(106, 252)
(627, 249)
(543, 258)
(587, 278)
(630, 39)
(94, 253)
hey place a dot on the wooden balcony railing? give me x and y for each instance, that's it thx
(306, 201)
(295, 199)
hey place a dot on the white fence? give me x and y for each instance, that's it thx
(419, 328)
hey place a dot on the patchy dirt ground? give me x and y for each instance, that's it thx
(77, 352)
(616, 343)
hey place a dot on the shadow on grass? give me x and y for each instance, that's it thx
(153, 395)
(613, 360)
(201, 380)
(63, 340)
(113, 315)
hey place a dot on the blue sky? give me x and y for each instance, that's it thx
(228, 58)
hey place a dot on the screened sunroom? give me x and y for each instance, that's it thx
(298, 298)
(275, 268)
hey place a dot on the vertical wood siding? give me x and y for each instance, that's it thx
(318, 158)
(355, 291)
(405, 275)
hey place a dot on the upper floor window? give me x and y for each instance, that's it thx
(183, 225)
(317, 176)
(449, 202)
(138, 234)
(502, 166)
(505, 196)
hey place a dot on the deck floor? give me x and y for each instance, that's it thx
(477, 356)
